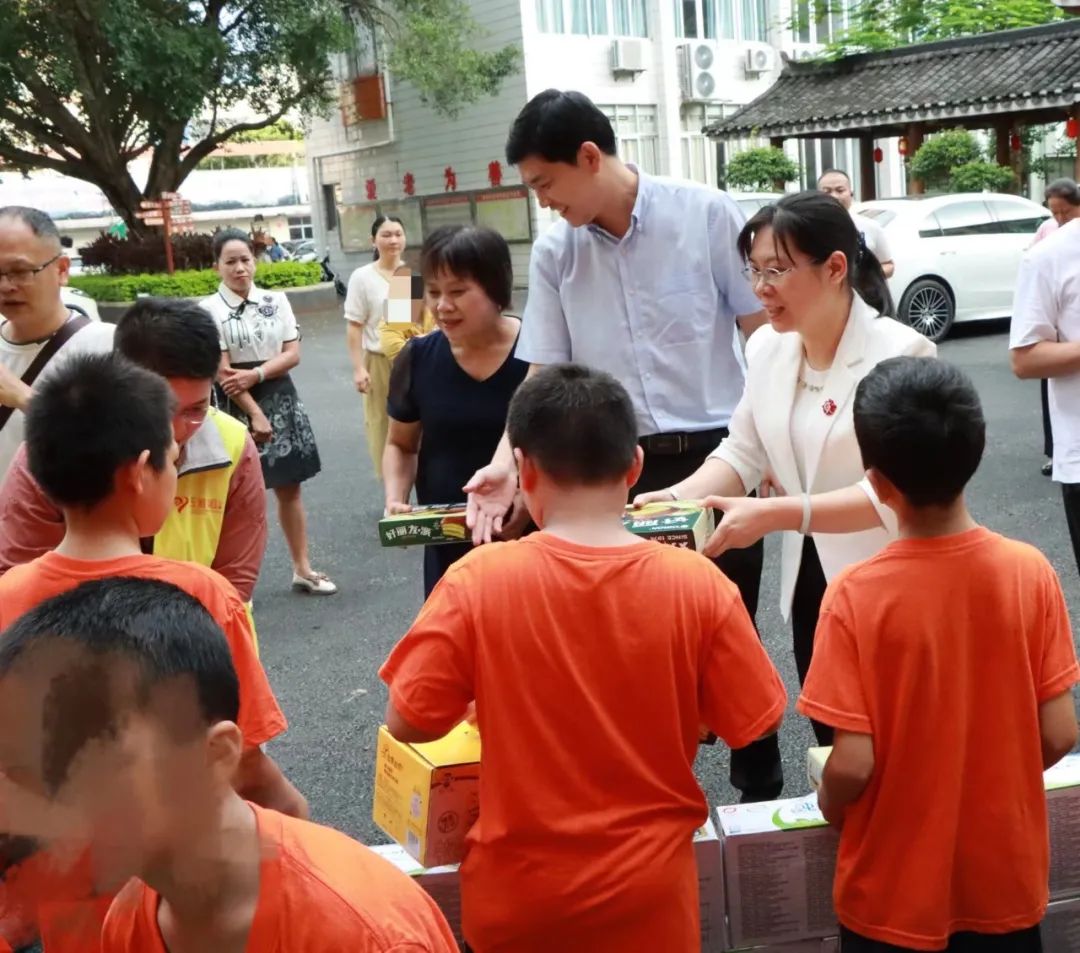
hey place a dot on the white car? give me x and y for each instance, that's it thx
(753, 202)
(956, 256)
(80, 301)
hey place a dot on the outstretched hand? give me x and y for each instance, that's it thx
(745, 521)
(490, 495)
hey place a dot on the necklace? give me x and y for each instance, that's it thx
(813, 388)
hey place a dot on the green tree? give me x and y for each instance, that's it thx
(940, 154)
(760, 169)
(86, 86)
(884, 24)
(982, 177)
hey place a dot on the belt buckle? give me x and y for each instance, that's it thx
(669, 444)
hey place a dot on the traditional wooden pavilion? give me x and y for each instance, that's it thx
(997, 81)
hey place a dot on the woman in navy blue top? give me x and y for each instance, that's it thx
(450, 389)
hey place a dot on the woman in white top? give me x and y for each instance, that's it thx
(260, 344)
(365, 310)
(825, 295)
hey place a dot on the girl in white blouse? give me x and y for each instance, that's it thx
(365, 311)
(260, 344)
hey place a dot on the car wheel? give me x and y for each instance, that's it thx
(928, 307)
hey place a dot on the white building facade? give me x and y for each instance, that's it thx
(661, 69)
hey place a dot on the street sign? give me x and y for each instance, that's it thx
(148, 203)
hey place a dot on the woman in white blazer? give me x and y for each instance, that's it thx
(825, 295)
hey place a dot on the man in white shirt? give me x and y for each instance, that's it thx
(835, 182)
(33, 269)
(1044, 341)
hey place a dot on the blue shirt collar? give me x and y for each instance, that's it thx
(640, 210)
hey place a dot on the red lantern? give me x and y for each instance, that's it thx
(369, 189)
(495, 173)
(901, 145)
(408, 183)
(1015, 143)
(1072, 128)
(450, 178)
(879, 156)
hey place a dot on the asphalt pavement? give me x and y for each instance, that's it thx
(323, 653)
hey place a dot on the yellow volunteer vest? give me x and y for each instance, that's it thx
(193, 528)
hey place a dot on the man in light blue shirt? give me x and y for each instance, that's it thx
(641, 279)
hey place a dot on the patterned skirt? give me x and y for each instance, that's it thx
(291, 455)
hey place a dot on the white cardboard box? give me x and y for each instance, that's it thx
(815, 765)
(779, 862)
(440, 883)
(1063, 808)
(1061, 928)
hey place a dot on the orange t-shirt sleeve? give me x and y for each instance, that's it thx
(742, 695)
(430, 671)
(833, 693)
(261, 718)
(1059, 670)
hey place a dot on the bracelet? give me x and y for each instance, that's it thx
(259, 374)
(805, 528)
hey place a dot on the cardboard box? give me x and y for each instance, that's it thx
(1063, 809)
(710, 865)
(678, 523)
(815, 765)
(1061, 927)
(779, 862)
(425, 526)
(427, 796)
(440, 883)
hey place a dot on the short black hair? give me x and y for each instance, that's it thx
(171, 337)
(96, 413)
(919, 423)
(471, 251)
(36, 220)
(577, 423)
(834, 172)
(554, 125)
(381, 220)
(1063, 189)
(164, 634)
(226, 235)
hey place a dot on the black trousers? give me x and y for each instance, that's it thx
(1070, 494)
(805, 608)
(756, 770)
(1020, 941)
(1048, 430)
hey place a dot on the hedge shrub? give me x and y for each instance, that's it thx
(193, 284)
(144, 254)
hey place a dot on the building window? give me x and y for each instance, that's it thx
(722, 19)
(819, 21)
(300, 227)
(699, 156)
(637, 135)
(592, 17)
(329, 201)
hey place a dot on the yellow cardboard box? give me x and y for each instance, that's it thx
(427, 796)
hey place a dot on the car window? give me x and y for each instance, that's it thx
(880, 215)
(749, 206)
(1016, 218)
(930, 227)
(966, 218)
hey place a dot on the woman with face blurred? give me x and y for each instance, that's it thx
(260, 345)
(450, 390)
(830, 322)
(365, 313)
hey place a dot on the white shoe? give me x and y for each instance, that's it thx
(317, 584)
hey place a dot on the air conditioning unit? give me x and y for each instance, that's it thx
(627, 56)
(760, 58)
(698, 76)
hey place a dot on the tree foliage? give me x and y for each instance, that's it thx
(940, 154)
(760, 168)
(884, 24)
(982, 177)
(86, 86)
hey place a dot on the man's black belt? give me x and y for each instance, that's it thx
(676, 444)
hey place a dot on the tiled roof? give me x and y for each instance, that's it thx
(1011, 71)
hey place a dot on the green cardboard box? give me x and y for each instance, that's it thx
(678, 523)
(425, 526)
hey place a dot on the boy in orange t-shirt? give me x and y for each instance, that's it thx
(945, 663)
(593, 657)
(118, 734)
(100, 444)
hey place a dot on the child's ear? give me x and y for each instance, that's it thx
(134, 476)
(634, 473)
(527, 472)
(883, 487)
(224, 748)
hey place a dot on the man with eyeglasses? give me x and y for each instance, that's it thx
(219, 516)
(38, 332)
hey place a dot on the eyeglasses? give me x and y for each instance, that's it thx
(23, 276)
(193, 415)
(771, 276)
